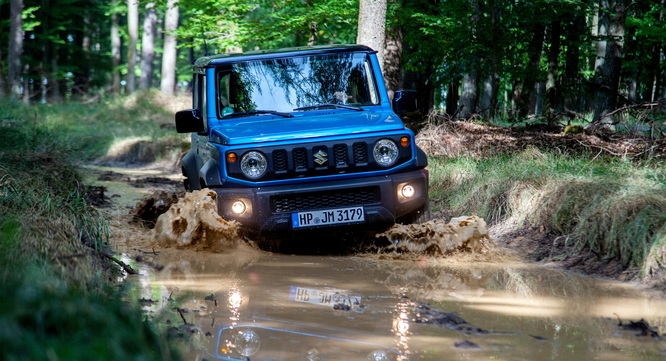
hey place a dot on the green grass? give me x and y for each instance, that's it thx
(59, 301)
(87, 131)
(612, 206)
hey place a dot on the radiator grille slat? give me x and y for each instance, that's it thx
(322, 200)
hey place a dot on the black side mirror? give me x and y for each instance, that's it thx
(405, 102)
(188, 121)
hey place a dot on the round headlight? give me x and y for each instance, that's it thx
(385, 152)
(247, 343)
(378, 355)
(253, 164)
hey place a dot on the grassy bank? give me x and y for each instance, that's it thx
(614, 207)
(58, 300)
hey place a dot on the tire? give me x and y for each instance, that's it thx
(420, 215)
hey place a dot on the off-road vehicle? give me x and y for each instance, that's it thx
(301, 139)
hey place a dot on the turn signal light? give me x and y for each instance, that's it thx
(232, 157)
(404, 141)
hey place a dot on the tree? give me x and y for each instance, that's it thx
(372, 26)
(148, 46)
(612, 14)
(15, 48)
(133, 32)
(115, 48)
(168, 84)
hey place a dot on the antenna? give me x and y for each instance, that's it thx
(203, 35)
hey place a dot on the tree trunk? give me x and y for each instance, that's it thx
(469, 95)
(15, 49)
(3, 84)
(553, 65)
(133, 32)
(372, 26)
(168, 84)
(148, 46)
(571, 79)
(115, 50)
(486, 95)
(393, 74)
(534, 51)
(662, 96)
(452, 98)
(612, 14)
(495, 58)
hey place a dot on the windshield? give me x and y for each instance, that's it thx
(284, 85)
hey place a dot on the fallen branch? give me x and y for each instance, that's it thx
(646, 105)
(122, 264)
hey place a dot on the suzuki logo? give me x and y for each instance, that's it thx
(321, 157)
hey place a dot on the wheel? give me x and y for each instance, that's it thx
(420, 215)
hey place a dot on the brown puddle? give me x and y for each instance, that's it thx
(246, 304)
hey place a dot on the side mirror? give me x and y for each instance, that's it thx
(188, 121)
(405, 102)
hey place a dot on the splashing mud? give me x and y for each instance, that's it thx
(193, 223)
(436, 237)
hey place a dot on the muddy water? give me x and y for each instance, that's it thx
(247, 304)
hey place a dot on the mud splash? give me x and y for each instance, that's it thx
(193, 223)
(436, 237)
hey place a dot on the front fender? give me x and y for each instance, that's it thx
(210, 173)
(189, 169)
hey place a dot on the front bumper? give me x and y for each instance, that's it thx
(269, 209)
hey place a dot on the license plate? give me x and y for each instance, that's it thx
(323, 297)
(327, 217)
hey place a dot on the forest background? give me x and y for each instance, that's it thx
(466, 58)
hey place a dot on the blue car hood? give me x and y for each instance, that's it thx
(307, 125)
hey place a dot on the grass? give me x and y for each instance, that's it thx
(59, 299)
(87, 131)
(612, 206)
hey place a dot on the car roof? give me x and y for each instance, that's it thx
(213, 60)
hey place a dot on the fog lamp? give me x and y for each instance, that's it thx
(408, 191)
(247, 343)
(378, 355)
(238, 207)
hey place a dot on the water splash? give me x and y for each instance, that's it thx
(193, 223)
(437, 237)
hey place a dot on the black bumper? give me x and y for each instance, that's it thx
(269, 209)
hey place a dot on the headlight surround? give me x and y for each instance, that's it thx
(385, 152)
(253, 164)
(247, 343)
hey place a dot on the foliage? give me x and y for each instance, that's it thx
(231, 24)
(57, 302)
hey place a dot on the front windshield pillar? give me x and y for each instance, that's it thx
(381, 86)
(211, 106)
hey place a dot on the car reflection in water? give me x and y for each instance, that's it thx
(268, 339)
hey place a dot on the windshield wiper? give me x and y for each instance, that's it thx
(258, 111)
(326, 105)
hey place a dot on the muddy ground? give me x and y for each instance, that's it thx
(448, 139)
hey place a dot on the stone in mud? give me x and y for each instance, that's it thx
(193, 222)
(467, 345)
(438, 237)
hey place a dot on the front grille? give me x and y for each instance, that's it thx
(280, 160)
(360, 153)
(322, 200)
(300, 159)
(340, 155)
(318, 159)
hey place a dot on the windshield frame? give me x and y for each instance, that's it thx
(269, 72)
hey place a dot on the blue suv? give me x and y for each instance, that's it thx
(302, 139)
